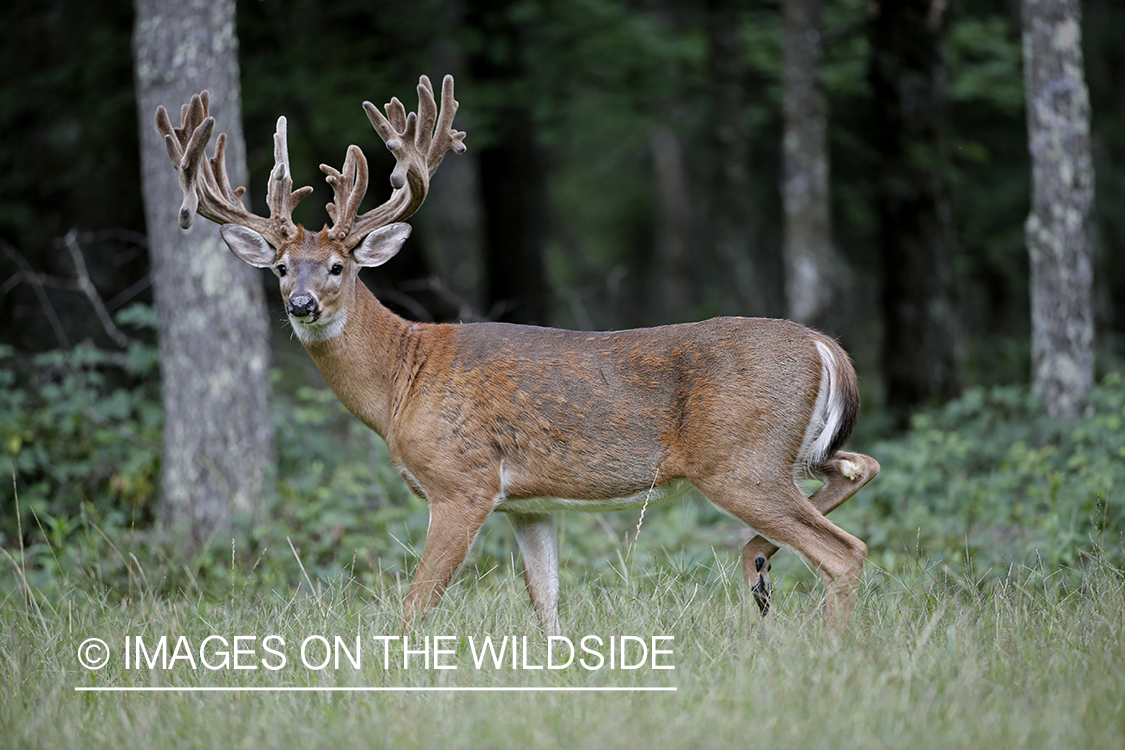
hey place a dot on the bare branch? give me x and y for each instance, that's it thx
(86, 286)
(44, 300)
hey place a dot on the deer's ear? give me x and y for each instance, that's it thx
(248, 245)
(381, 245)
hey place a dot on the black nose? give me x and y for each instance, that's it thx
(301, 305)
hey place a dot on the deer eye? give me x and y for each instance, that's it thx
(336, 269)
(281, 269)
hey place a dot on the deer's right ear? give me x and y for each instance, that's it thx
(381, 245)
(248, 245)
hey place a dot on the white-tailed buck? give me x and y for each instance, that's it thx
(488, 417)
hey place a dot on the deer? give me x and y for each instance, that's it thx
(530, 421)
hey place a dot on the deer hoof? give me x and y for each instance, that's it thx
(761, 589)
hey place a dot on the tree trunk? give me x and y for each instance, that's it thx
(514, 191)
(214, 352)
(1059, 229)
(672, 281)
(810, 262)
(920, 348)
(512, 170)
(731, 207)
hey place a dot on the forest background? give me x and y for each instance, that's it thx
(625, 168)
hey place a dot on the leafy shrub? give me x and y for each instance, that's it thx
(81, 432)
(991, 479)
(340, 500)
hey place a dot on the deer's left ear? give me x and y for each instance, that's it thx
(381, 245)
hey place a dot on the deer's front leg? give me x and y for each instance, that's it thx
(454, 525)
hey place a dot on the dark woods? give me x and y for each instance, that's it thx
(629, 164)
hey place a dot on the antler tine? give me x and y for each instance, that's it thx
(191, 165)
(418, 150)
(280, 196)
(446, 139)
(427, 115)
(205, 183)
(349, 188)
(219, 171)
(396, 113)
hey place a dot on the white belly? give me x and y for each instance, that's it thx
(657, 495)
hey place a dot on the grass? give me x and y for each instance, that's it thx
(929, 661)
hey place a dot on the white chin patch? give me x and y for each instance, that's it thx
(322, 329)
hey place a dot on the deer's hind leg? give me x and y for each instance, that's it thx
(538, 539)
(843, 476)
(779, 512)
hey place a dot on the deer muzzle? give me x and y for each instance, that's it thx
(303, 305)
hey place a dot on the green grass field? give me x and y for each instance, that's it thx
(992, 614)
(929, 661)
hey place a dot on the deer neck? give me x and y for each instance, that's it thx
(364, 359)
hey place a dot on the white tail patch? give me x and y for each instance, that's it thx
(827, 413)
(850, 470)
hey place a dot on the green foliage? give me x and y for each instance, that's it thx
(989, 480)
(340, 500)
(984, 54)
(80, 433)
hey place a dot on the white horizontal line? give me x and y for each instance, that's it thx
(402, 689)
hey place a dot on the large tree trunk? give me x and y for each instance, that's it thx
(514, 191)
(672, 283)
(1060, 235)
(512, 170)
(731, 213)
(810, 262)
(921, 347)
(214, 353)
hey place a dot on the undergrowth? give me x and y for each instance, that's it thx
(991, 479)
